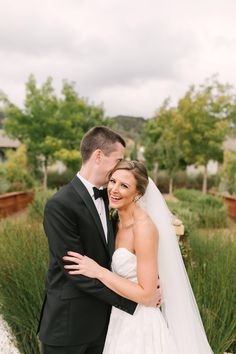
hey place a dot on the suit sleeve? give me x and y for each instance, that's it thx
(62, 234)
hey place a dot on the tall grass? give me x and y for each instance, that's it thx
(212, 275)
(36, 208)
(23, 262)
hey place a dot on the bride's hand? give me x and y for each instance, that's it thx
(84, 265)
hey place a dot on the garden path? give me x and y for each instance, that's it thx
(7, 345)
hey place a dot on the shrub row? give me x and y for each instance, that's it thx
(199, 210)
(56, 180)
(182, 180)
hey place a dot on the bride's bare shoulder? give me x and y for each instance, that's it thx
(142, 221)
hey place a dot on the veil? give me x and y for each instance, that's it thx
(179, 307)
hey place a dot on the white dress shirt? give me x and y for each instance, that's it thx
(99, 203)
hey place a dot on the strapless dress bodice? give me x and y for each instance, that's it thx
(124, 263)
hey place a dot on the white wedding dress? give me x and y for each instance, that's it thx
(144, 332)
(147, 332)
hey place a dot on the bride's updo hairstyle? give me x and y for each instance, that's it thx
(137, 169)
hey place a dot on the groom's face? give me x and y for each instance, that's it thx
(108, 162)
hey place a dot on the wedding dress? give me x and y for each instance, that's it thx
(175, 329)
(144, 332)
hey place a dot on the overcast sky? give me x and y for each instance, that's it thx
(127, 54)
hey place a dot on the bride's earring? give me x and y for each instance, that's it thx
(136, 198)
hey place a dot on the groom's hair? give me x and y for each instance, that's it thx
(102, 138)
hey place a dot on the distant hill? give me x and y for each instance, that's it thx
(130, 127)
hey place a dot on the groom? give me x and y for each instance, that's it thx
(76, 309)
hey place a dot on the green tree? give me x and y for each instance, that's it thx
(35, 125)
(228, 173)
(14, 171)
(207, 111)
(51, 126)
(163, 141)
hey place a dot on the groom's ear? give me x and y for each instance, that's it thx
(97, 155)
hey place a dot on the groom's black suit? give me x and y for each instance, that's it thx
(76, 308)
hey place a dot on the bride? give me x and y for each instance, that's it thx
(146, 247)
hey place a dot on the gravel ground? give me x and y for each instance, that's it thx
(6, 339)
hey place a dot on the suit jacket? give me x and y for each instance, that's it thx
(76, 308)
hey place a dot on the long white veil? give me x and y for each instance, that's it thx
(179, 308)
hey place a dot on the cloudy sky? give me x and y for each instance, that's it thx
(127, 54)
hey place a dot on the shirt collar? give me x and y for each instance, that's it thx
(87, 184)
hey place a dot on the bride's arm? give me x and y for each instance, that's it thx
(146, 243)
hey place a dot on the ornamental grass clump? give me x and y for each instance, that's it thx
(212, 275)
(36, 208)
(23, 263)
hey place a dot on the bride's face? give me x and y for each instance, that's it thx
(121, 189)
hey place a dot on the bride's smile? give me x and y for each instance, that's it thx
(121, 189)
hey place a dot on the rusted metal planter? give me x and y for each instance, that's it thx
(13, 202)
(230, 203)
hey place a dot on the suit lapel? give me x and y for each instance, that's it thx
(110, 232)
(84, 194)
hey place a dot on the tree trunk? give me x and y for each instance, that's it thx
(155, 169)
(45, 174)
(171, 186)
(204, 183)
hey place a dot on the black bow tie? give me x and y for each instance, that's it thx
(100, 193)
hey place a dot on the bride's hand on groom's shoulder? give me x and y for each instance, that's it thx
(83, 265)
